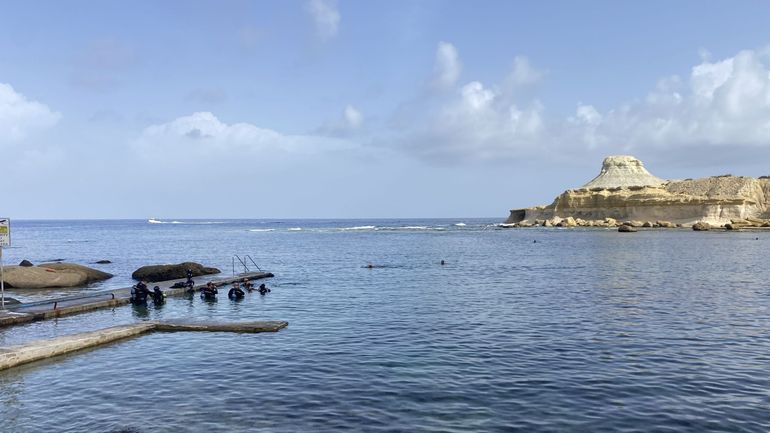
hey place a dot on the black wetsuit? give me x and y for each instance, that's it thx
(157, 296)
(209, 292)
(235, 293)
(139, 294)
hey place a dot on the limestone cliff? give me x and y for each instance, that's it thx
(624, 190)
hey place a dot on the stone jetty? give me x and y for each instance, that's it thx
(28, 312)
(13, 356)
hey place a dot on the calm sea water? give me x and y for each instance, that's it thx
(583, 330)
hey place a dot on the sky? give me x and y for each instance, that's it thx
(375, 109)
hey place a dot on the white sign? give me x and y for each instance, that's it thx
(5, 232)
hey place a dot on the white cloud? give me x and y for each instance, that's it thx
(19, 116)
(353, 117)
(203, 135)
(350, 122)
(325, 16)
(447, 67)
(722, 103)
(473, 121)
(523, 73)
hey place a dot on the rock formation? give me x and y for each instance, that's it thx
(623, 171)
(626, 191)
(51, 275)
(155, 273)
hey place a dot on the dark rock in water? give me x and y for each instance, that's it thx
(103, 262)
(26, 263)
(626, 229)
(729, 226)
(701, 226)
(153, 273)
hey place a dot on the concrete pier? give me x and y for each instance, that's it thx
(13, 356)
(29, 312)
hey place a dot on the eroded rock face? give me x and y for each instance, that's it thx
(623, 171)
(155, 273)
(715, 200)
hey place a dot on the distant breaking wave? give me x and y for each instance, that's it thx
(156, 221)
(261, 230)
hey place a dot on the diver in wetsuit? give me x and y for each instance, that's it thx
(190, 283)
(235, 292)
(263, 290)
(209, 291)
(248, 285)
(158, 297)
(139, 293)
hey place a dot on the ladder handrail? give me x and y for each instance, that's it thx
(243, 263)
(253, 262)
(245, 268)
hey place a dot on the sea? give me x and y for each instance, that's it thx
(520, 330)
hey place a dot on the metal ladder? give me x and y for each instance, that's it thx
(243, 263)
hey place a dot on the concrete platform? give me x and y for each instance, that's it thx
(13, 356)
(29, 312)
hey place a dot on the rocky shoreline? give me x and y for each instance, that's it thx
(625, 193)
(746, 224)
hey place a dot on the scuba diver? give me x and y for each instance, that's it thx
(209, 291)
(190, 284)
(235, 292)
(158, 297)
(263, 290)
(248, 285)
(139, 293)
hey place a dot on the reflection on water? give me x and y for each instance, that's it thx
(584, 330)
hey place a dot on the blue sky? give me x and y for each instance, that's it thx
(348, 109)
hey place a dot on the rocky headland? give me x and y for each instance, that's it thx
(624, 192)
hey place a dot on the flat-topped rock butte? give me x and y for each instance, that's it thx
(625, 191)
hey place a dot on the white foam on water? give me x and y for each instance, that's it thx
(460, 224)
(360, 228)
(261, 230)
(295, 229)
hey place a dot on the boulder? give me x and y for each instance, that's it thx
(611, 222)
(647, 224)
(626, 229)
(91, 275)
(665, 224)
(51, 275)
(154, 273)
(103, 262)
(729, 226)
(26, 263)
(701, 226)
